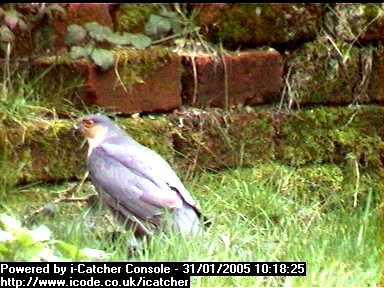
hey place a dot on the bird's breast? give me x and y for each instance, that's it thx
(92, 144)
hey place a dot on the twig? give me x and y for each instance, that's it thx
(174, 36)
(47, 209)
(226, 95)
(195, 82)
(335, 46)
(287, 88)
(118, 74)
(357, 184)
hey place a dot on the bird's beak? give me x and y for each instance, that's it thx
(76, 130)
(77, 133)
(77, 125)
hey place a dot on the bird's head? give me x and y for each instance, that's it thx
(99, 128)
(96, 127)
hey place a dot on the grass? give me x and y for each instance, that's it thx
(258, 214)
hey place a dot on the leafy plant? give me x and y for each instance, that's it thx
(163, 23)
(75, 34)
(18, 243)
(163, 26)
(92, 33)
(103, 58)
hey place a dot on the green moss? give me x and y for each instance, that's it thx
(39, 150)
(216, 139)
(58, 82)
(332, 135)
(132, 17)
(152, 132)
(323, 74)
(136, 65)
(350, 22)
(47, 150)
(43, 38)
(252, 135)
(265, 24)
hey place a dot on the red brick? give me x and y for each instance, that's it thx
(161, 90)
(252, 78)
(209, 13)
(145, 80)
(379, 80)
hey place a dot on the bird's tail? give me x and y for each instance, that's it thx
(187, 220)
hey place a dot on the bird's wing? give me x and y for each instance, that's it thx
(150, 165)
(132, 191)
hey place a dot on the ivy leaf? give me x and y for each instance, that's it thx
(98, 32)
(118, 39)
(103, 58)
(75, 34)
(173, 20)
(77, 52)
(168, 14)
(140, 41)
(157, 25)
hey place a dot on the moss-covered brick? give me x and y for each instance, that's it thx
(249, 25)
(133, 17)
(247, 78)
(50, 150)
(342, 135)
(325, 72)
(378, 78)
(60, 82)
(355, 22)
(216, 139)
(145, 80)
(41, 150)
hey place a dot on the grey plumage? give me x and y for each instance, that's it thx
(136, 182)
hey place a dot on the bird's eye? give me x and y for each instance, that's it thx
(88, 123)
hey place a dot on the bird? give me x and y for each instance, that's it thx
(135, 182)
